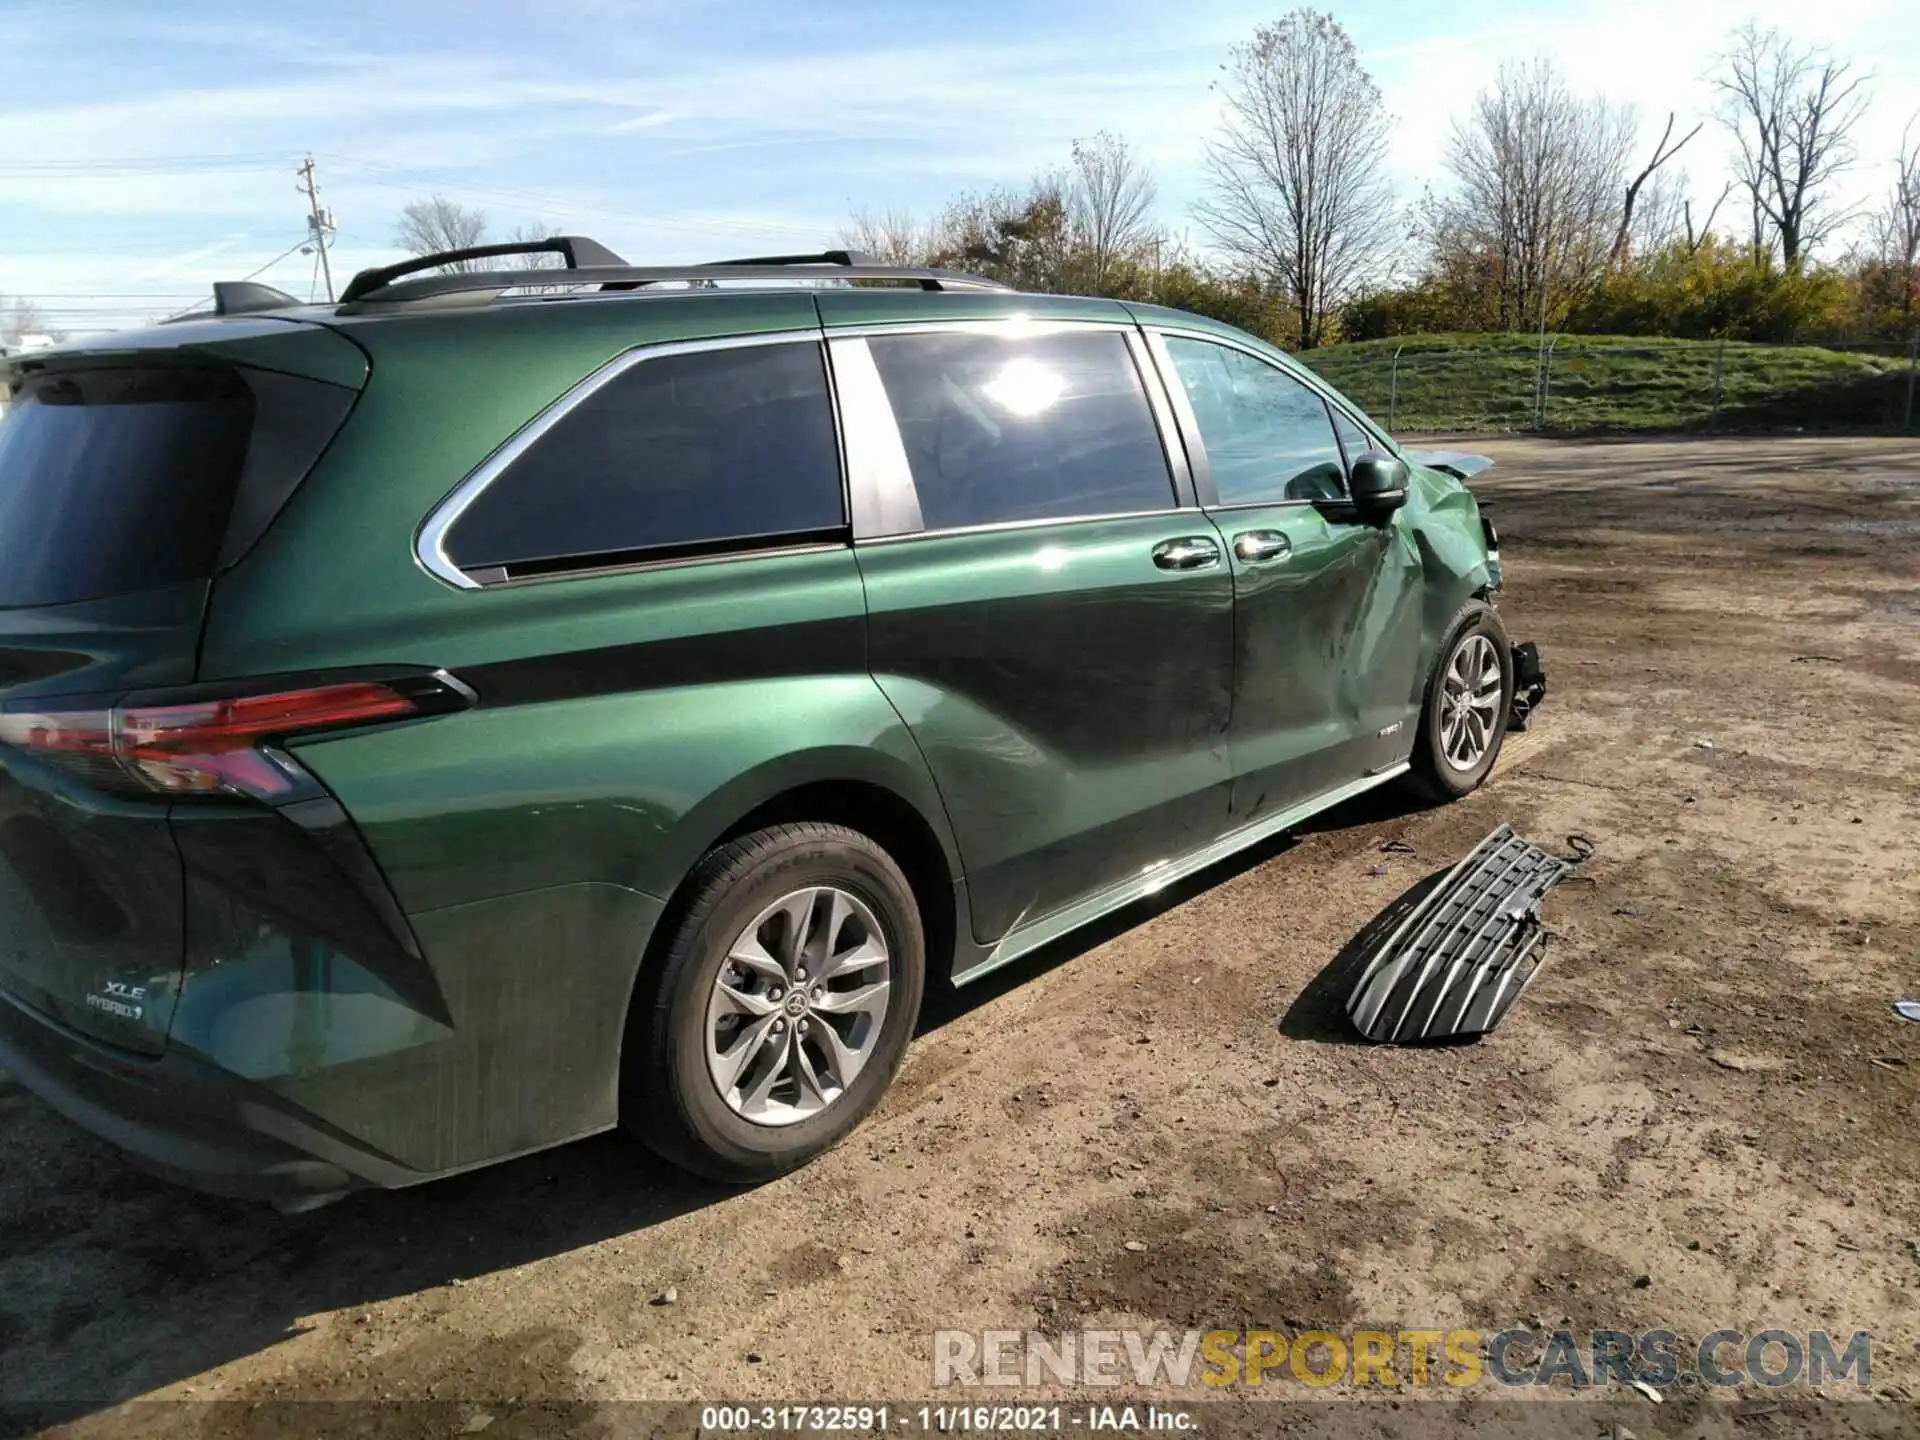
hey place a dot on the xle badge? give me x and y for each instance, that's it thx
(117, 997)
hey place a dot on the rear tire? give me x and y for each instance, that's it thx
(1469, 699)
(781, 1007)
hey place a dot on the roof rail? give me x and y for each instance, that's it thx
(578, 251)
(825, 257)
(379, 290)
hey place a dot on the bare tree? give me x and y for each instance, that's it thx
(20, 318)
(1623, 238)
(1019, 237)
(429, 226)
(1659, 214)
(1110, 198)
(1792, 111)
(1538, 172)
(889, 237)
(531, 232)
(1696, 239)
(1297, 185)
(1894, 235)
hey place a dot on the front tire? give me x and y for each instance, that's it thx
(782, 1005)
(1469, 698)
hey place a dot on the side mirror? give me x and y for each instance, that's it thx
(1378, 483)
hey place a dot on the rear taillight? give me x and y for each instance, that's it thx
(223, 746)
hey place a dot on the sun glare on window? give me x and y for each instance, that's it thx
(1025, 387)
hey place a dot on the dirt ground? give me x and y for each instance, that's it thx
(1702, 1115)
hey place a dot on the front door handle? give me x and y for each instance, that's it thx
(1189, 552)
(1253, 546)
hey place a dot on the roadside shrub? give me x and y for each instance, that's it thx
(1408, 310)
(1719, 291)
(1236, 299)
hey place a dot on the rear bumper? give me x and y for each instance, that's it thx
(187, 1121)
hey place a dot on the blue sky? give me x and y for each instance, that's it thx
(150, 144)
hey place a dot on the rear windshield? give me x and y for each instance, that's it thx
(117, 480)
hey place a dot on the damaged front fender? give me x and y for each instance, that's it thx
(1457, 561)
(1457, 463)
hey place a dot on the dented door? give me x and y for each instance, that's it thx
(1326, 635)
(1326, 607)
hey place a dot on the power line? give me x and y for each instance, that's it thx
(250, 276)
(508, 195)
(275, 261)
(137, 165)
(403, 179)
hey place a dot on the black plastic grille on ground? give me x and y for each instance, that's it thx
(1461, 958)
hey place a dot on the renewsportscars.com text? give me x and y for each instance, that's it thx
(1182, 1359)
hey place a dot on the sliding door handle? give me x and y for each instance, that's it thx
(1189, 552)
(1254, 546)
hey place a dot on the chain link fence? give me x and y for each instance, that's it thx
(1579, 383)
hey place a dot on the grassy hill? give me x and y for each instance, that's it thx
(1606, 382)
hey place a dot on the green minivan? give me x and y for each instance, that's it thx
(509, 704)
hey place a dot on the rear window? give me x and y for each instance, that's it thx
(117, 480)
(711, 450)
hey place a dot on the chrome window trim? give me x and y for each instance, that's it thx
(1172, 443)
(881, 496)
(995, 526)
(881, 449)
(429, 548)
(1225, 508)
(672, 562)
(1015, 327)
(1199, 466)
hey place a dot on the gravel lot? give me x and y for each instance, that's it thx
(1707, 1087)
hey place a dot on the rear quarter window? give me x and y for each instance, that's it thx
(123, 478)
(680, 453)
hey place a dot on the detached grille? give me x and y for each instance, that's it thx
(1461, 958)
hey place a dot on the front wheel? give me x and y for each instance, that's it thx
(1468, 699)
(782, 1006)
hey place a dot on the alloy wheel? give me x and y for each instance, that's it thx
(798, 1005)
(1471, 694)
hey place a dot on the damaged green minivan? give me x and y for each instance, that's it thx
(509, 704)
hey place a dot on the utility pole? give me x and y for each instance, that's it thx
(319, 222)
